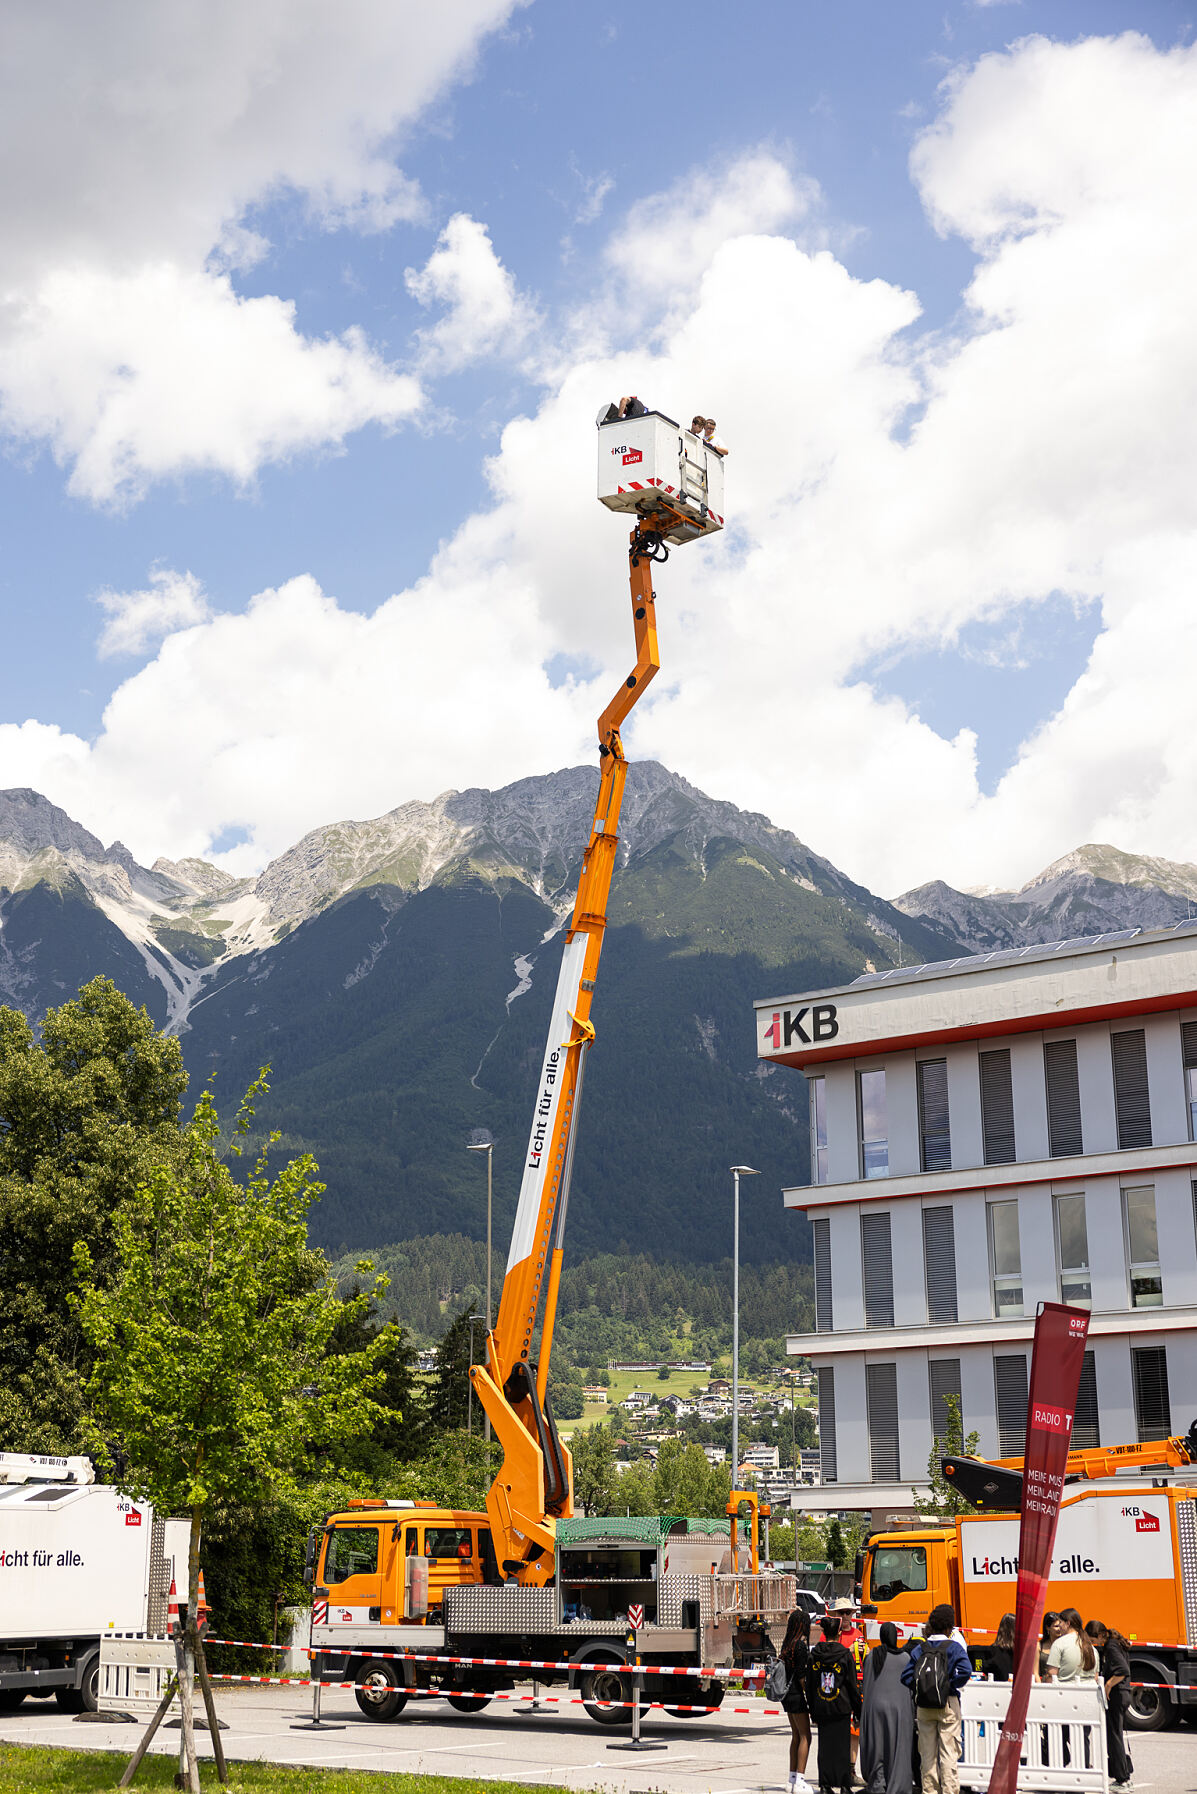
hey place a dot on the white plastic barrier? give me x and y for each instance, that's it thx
(1064, 1720)
(134, 1670)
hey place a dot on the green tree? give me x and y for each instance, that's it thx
(595, 1476)
(568, 1400)
(835, 1545)
(212, 1375)
(943, 1502)
(449, 1392)
(402, 1430)
(87, 1109)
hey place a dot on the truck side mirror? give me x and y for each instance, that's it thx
(858, 1567)
(309, 1560)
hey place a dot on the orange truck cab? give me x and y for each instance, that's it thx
(1126, 1555)
(389, 1563)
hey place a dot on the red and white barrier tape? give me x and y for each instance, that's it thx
(656, 1669)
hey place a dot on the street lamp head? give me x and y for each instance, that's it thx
(744, 1171)
(481, 1146)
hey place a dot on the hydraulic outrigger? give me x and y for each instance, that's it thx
(534, 1488)
(995, 1486)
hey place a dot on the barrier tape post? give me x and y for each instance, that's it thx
(535, 1705)
(315, 1723)
(636, 1742)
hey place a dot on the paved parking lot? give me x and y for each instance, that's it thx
(726, 1754)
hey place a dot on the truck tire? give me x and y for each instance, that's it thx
(691, 1695)
(606, 1684)
(86, 1697)
(1149, 1709)
(468, 1703)
(378, 1693)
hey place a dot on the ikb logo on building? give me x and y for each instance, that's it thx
(789, 1025)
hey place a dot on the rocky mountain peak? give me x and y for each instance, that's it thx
(1113, 866)
(29, 823)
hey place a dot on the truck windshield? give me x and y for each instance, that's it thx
(897, 1570)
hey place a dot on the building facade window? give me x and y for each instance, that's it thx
(873, 1122)
(1063, 1098)
(1010, 1388)
(1188, 1045)
(877, 1265)
(881, 1402)
(1086, 1430)
(1007, 1259)
(1153, 1409)
(997, 1106)
(818, 1130)
(821, 1240)
(939, 1259)
(1143, 1247)
(1072, 1251)
(1132, 1101)
(935, 1136)
(944, 1374)
(827, 1464)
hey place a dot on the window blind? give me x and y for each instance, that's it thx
(1132, 1103)
(827, 1468)
(1086, 1430)
(821, 1234)
(1153, 1409)
(1188, 1043)
(945, 1381)
(997, 1107)
(939, 1256)
(877, 1261)
(935, 1138)
(1010, 1385)
(881, 1402)
(1063, 1098)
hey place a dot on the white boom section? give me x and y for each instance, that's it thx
(544, 1119)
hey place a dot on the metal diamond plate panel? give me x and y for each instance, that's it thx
(506, 1609)
(674, 1590)
(1186, 1527)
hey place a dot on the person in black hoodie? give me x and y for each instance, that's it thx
(833, 1695)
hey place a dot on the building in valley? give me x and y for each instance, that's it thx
(987, 1134)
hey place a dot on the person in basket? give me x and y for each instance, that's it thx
(833, 1695)
(937, 1671)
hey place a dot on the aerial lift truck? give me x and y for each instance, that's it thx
(1125, 1552)
(527, 1580)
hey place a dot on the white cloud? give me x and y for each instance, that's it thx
(485, 314)
(171, 601)
(138, 141)
(885, 490)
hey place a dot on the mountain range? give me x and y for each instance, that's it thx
(397, 975)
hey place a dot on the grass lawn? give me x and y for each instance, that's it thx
(80, 1772)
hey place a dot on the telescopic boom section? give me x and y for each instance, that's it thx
(534, 1487)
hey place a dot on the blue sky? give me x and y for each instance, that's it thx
(578, 140)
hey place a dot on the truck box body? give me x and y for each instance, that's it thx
(77, 1561)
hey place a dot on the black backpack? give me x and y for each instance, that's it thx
(825, 1686)
(932, 1679)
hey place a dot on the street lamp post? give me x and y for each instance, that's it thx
(488, 1147)
(737, 1171)
(474, 1321)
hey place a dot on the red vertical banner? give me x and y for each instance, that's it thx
(1057, 1359)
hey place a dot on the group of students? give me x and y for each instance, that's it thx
(894, 1711)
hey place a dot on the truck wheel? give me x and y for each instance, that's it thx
(86, 1697)
(605, 1685)
(693, 1696)
(1148, 1709)
(468, 1703)
(10, 1699)
(378, 1693)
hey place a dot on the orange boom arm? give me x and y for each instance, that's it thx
(534, 1488)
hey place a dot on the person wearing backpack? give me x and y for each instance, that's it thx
(833, 1696)
(937, 1671)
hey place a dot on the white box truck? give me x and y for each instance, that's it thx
(77, 1560)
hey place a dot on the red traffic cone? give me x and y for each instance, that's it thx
(172, 1609)
(202, 1609)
